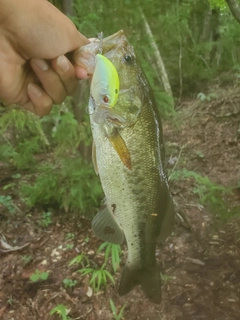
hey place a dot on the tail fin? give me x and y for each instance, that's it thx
(149, 278)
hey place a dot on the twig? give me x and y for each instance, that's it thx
(85, 313)
(177, 161)
(9, 248)
(222, 312)
(7, 141)
(182, 292)
(182, 216)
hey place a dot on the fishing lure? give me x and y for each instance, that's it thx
(105, 83)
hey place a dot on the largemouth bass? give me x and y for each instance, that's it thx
(128, 155)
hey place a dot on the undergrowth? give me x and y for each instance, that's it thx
(64, 179)
(21, 137)
(70, 184)
(209, 193)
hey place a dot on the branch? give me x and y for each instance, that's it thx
(157, 55)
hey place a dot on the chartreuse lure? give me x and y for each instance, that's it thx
(105, 83)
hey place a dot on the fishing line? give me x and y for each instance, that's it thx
(100, 37)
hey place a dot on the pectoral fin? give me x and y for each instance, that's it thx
(120, 147)
(105, 226)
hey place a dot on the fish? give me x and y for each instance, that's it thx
(129, 157)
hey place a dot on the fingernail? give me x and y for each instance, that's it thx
(63, 63)
(33, 89)
(41, 64)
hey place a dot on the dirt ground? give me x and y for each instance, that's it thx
(200, 267)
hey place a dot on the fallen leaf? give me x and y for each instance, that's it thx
(89, 292)
(197, 261)
(2, 310)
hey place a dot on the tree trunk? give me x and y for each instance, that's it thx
(68, 7)
(206, 30)
(79, 102)
(157, 56)
(234, 8)
(215, 53)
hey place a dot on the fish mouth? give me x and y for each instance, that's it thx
(112, 117)
(115, 121)
(103, 114)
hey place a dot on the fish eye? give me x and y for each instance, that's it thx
(128, 58)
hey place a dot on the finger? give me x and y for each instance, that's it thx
(66, 72)
(39, 102)
(84, 62)
(49, 79)
(81, 73)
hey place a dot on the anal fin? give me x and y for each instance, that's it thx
(105, 226)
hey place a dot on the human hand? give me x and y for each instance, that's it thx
(34, 37)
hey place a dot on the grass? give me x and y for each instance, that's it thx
(98, 277)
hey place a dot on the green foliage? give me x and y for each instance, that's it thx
(209, 97)
(69, 283)
(64, 131)
(6, 201)
(67, 132)
(70, 236)
(26, 259)
(199, 154)
(221, 4)
(70, 184)
(79, 259)
(9, 186)
(209, 193)
(25, 138)
(23, 156)
(10, 301)
(99, 277)
(203, 39)
(6, 151)
(165, 278)
(23, 122)
(61, 310)
(116, 315)
(165, 104)
(114, 250)
(39, 276)
(46, 219)
(69, 246)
